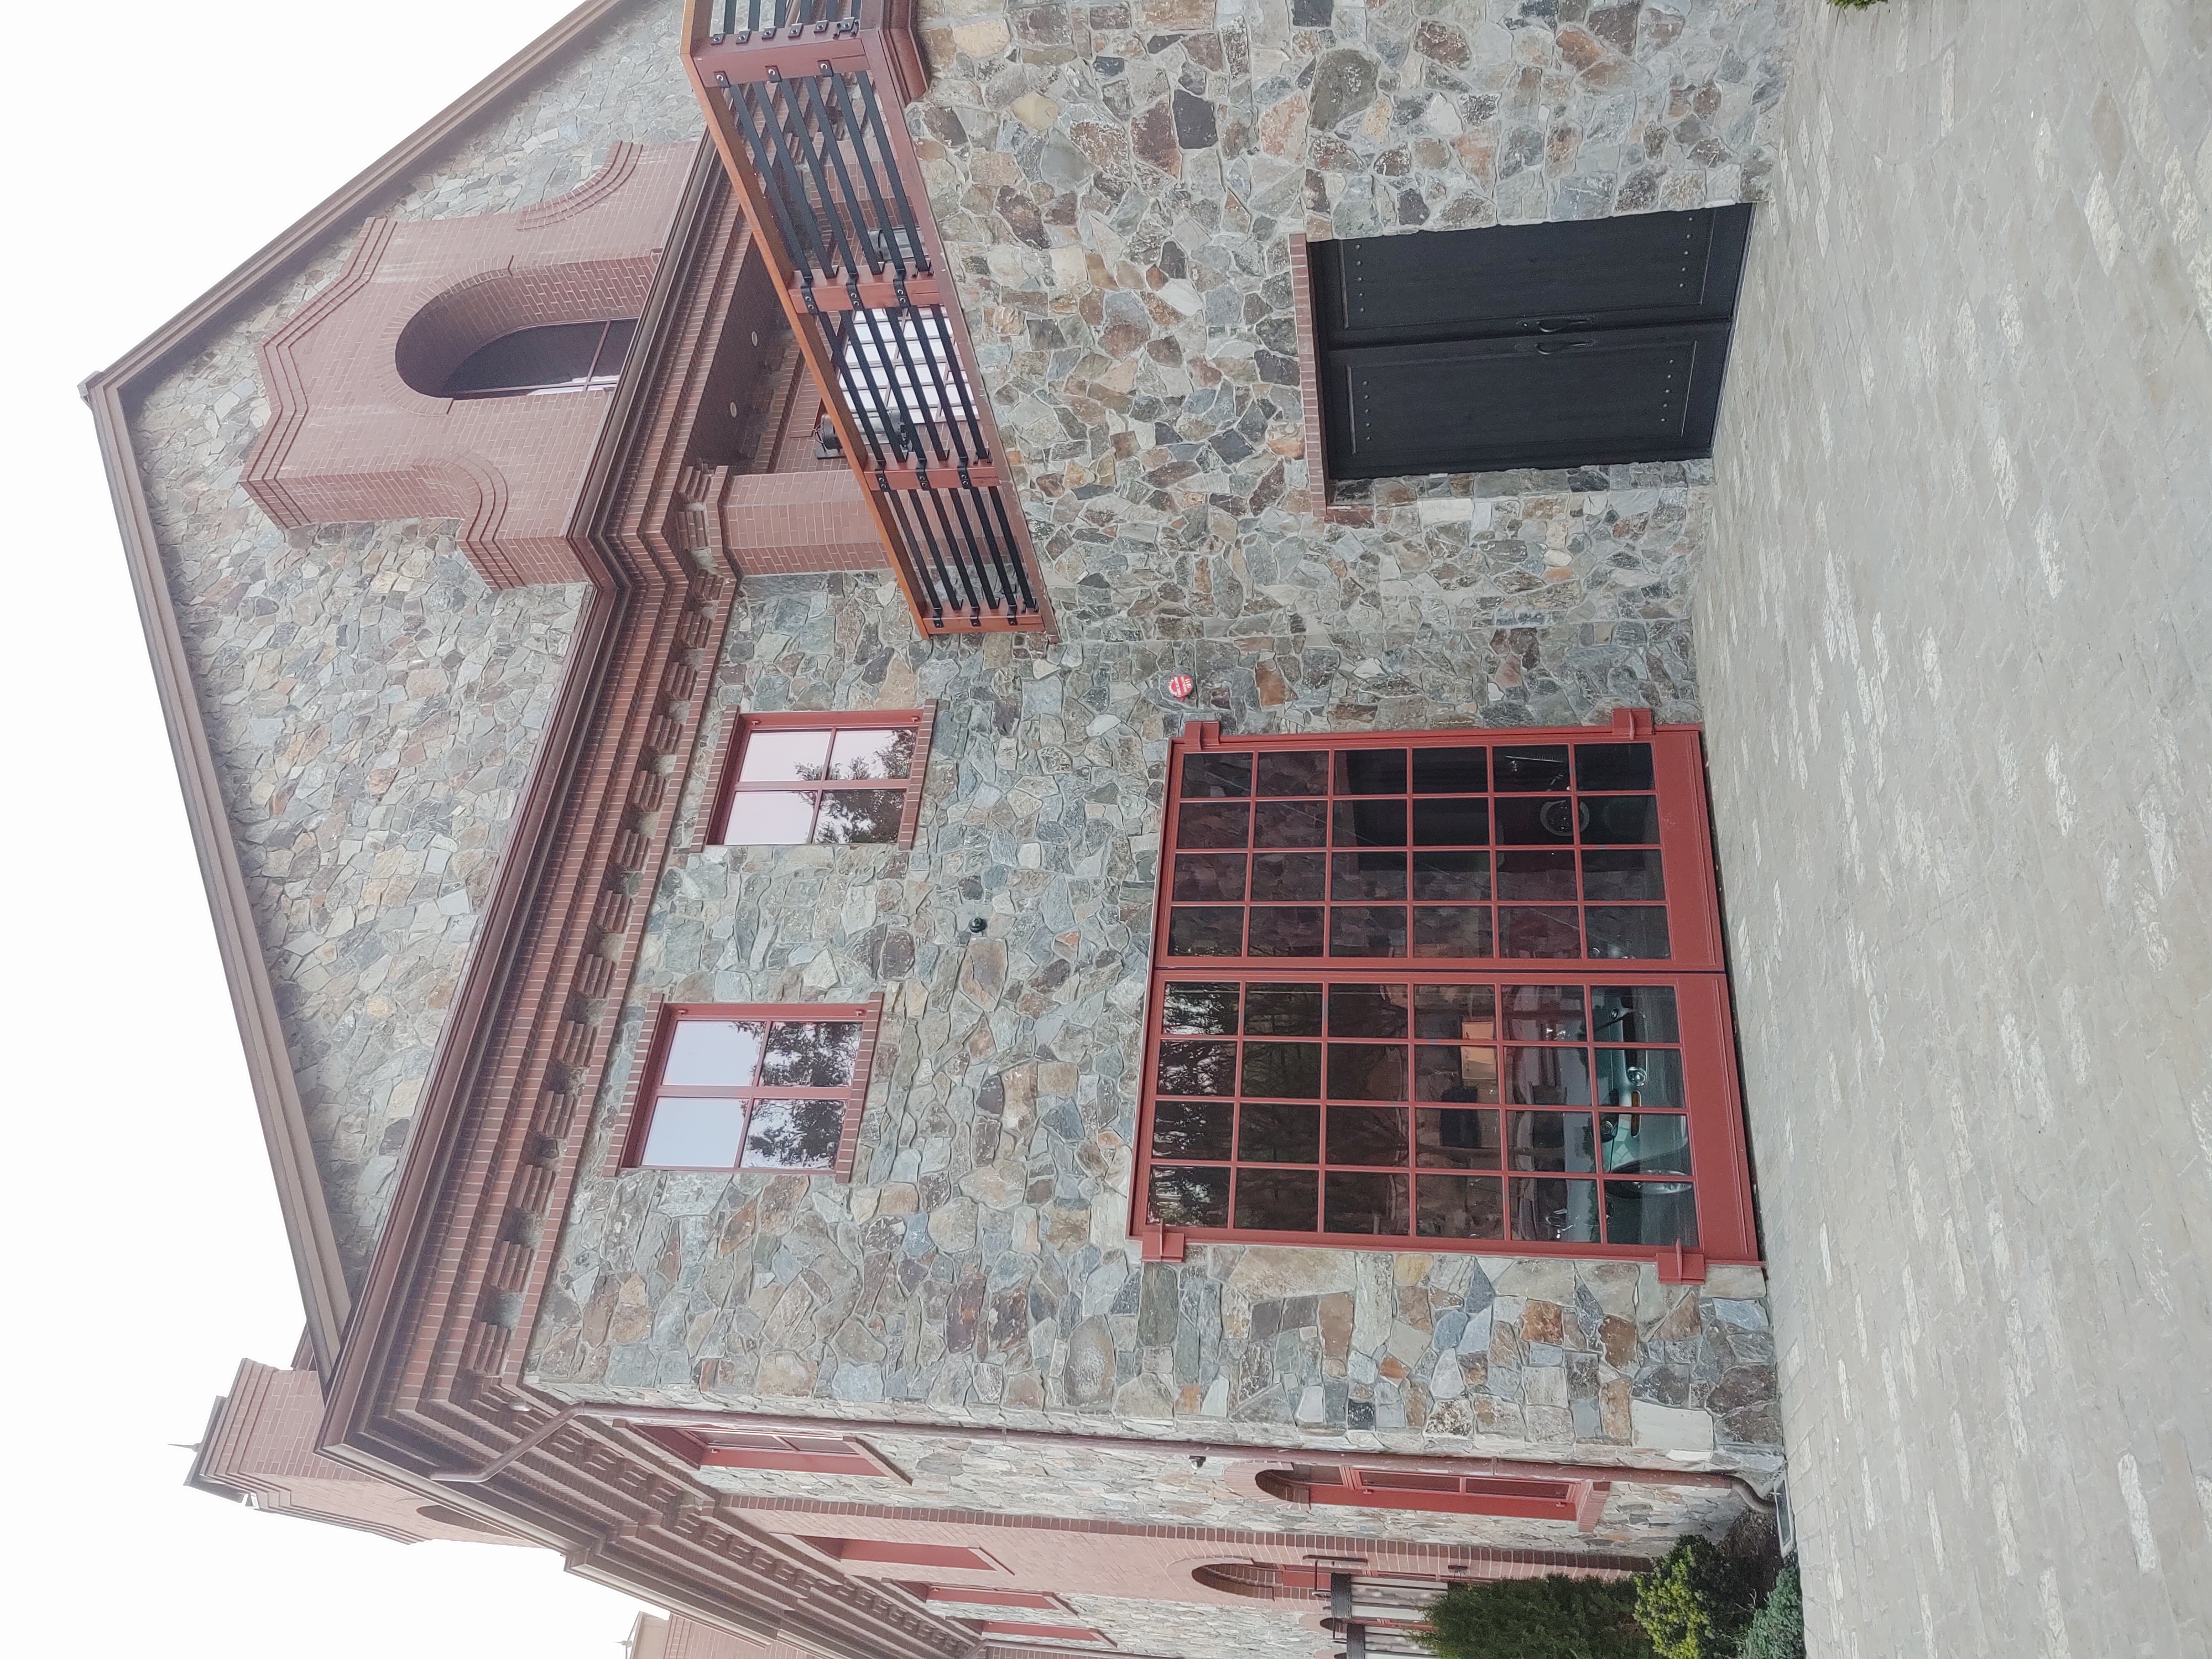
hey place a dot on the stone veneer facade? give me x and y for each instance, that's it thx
(373, 704)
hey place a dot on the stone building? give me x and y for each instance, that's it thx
(936, 959)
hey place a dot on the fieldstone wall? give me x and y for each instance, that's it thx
(372, 706)
(1116, 185)
(979, 1265)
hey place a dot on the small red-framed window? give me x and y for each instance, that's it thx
(980, 1595)
(1021, 1632)
(775, 1087)
(891, 1552)
(1439, 1492)
(1356, 1034)
(795, 1454)
(844, 779)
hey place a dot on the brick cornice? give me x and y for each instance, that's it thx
(426, 1385)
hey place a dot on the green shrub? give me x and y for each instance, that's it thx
(1552, 1617)
(1695, 1604)
(1777, 1629)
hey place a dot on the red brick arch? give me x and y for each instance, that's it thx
(357, 430)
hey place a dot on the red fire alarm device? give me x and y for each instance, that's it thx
(1180, 687)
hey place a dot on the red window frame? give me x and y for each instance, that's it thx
(899, 1553)
(983, 1595)
(795, 1454)
(648, 1086)
(1707, 1105)
(1020, 1631)
(727, 784)
(1438, 1493)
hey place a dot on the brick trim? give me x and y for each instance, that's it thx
(613, 175)
(918, 775)
(863, 1078)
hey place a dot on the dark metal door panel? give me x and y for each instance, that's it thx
(1637, 269)
(1589, 399)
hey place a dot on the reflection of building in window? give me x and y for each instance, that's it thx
(755, 1087)
(824, 778)
(1437, 1492)
(1353, 1036)
(533, 362)
(793, 1453)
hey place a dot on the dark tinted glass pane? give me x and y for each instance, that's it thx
(1451, 771)
(1640, 1077)
(1370, 823)
(1205, 932)
(1454, 1011)
(1291, 823)
(1536, 875)
(1281, 931)
(1282, 1010)
(1532, 823)
(1464, 1072)
(1460, 1206)
(1454, 931)
(1366, 1071)
(1278, 1200)
(1451, 875)
(1551, 1141)
(1212, 775)
(1188, 1009)
(1370, 772)
(1629, 933)
(871, 752)
(614, 347)
(1623, 876)
(1367, 875)
(1609, 819)
(1373, 1203)
(1280, 875)
(1455, 1137)
(1529, 770)
(1550, 933)
(1357, 930)
(1197, 1069)
(1214, 824)
(850, 817)
(1211, 876)
(1613, 766)
(1451, 823)
(1554, 1211)
(1635, 1013)
(1191, 1128)
(1548, 1077)
(1280, 1135)
(529, 357)
(1373, 1011)
(794, 1134)
(1367, 1134)
(814, 1054)
(1650, 1212)
(1544, 1013)
(1645, 1143)
(1190, 1198)
(1283, 1070)
(1302, 774)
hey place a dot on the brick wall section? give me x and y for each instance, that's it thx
(788, 524)
(357, 428)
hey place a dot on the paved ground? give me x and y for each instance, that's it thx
(1953, 639)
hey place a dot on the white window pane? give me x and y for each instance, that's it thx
(784, 756)
(725, 1052)
(768, 818)
(694, 1134)
(879, 753)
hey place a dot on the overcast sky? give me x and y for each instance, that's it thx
(156, 148)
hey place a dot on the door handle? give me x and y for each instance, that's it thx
(1553, 348)
(1561, 324)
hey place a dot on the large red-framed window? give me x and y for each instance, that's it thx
(800, 1454)
(775, 1087)
(1461, 989)
(1438, 1493)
